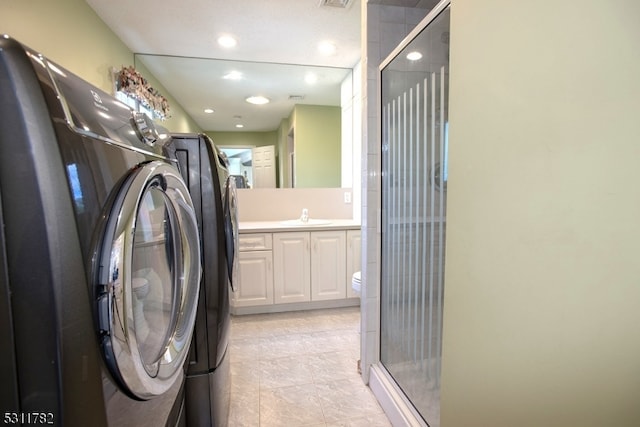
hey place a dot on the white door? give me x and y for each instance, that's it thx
(291, 271)
(328, 265)
(263, 161)
(148, 273)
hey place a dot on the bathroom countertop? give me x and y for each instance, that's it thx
(277, 226)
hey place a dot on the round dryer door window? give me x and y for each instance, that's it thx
(149, 279)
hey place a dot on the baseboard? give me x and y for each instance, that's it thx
(296, 306)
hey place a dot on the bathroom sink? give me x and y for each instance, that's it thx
(310, 222)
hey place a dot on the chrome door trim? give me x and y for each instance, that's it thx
(433, 14)
(115, 295)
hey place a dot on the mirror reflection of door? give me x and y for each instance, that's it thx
(252, 167)
(264, 167)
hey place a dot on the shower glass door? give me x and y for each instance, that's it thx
(414, 194)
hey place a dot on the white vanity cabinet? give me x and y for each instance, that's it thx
(292, 264)
(296, 270)
(255, 263)
(328, 265)
(309, 266)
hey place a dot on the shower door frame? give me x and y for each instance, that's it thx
(395, 403)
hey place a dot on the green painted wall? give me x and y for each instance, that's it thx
(317, 146)
(542, 293)
(70, 33)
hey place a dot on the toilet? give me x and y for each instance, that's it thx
(356, 282)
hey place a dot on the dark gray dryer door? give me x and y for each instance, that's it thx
(149, 279)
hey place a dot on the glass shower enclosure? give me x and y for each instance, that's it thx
(414, 96)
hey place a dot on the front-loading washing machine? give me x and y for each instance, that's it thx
(99, 255)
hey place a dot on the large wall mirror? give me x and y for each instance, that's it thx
(308, 120)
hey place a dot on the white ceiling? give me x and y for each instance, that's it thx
(178, 40)
(282, 31)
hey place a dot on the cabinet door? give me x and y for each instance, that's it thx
(328, 265)
(256, 279)
(291, 273)
(354, 261)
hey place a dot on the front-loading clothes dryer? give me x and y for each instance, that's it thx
(99, 255)
(207, 387)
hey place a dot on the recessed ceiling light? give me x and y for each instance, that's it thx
(327, 48)
(208, 110)
(311, 78)
(239, 125)
(258, 100)
(414, 56)
(233, 75)
(227, 41)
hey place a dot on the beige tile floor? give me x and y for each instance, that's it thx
(300, 369)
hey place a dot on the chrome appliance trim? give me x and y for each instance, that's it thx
(115, 304)
(69, 119)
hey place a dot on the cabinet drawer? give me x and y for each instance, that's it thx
(255, 242)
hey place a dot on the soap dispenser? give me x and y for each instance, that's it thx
(305, 215)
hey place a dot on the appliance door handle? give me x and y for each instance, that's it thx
(230, 230)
